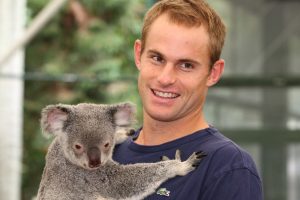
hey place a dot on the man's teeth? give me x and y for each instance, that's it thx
(165, 94)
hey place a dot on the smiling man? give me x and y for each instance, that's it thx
(174, 78)
(178, 58)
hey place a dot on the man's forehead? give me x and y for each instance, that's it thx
(163, 28)
(181, 42)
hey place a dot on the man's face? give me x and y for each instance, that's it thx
(174, 70)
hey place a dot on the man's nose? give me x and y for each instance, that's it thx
(167, 75)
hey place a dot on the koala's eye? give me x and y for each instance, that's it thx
(106, 145)
(78, 146)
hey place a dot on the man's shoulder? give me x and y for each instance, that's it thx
(231, 157)
(233, 153)
(224, 149)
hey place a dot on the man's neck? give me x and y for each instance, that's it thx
(156, 132)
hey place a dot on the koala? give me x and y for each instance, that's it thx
(79, 164)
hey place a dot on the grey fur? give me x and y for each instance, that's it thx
(89, 173)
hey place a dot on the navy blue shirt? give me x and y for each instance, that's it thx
(226, 173)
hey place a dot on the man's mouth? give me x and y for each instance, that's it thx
(169, 95)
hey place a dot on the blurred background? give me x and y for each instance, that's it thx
(71, 51)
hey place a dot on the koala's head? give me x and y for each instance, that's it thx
(86, 132)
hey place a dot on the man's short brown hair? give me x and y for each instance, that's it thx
(189, 13)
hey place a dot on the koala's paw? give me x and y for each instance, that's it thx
(130, 132)
(195, 158)
(122, 135)
(191, 163)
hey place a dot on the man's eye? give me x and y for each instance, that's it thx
(186, 66)
(157, 58)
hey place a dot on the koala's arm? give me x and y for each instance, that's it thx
(137, 181)
(51, 186)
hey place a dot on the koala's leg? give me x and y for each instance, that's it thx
(122, 134)
(137, 181)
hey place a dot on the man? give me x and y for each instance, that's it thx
(178, 58)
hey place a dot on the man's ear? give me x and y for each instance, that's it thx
(53, 118)
(137, 53)
(215, 72)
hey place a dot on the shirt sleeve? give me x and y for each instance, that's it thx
(237, 184)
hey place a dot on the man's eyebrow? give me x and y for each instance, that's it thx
(154, 52)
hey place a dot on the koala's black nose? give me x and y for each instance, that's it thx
(94, 157)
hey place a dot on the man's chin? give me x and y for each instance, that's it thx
(162, 116)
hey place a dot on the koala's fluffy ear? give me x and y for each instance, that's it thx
(54, 117)
(123, 114)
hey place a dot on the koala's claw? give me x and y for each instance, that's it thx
(200, 154)
(195, 158)
(130, 132)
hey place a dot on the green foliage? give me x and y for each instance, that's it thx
(101, 51)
